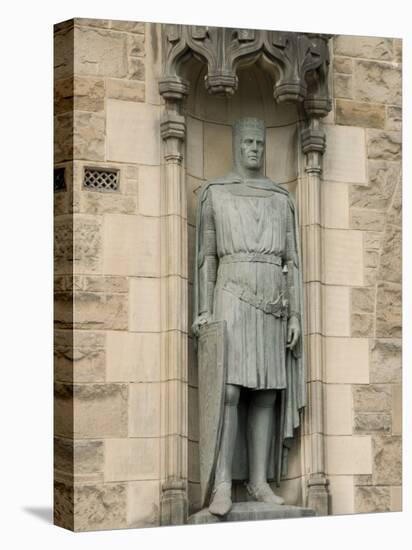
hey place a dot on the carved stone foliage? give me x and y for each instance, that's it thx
(299, 62)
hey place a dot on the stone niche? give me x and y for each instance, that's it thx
(208, 154)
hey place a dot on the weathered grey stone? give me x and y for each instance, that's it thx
(63, 505)
(387, 460)
(101, 310)
(362, 325)
(394, 215)
(103, 283)
(78, 461)
(373, 240)
(372, 397)
(100, 506)
(105, 203)
(84, 94)
(372, 422)
(127, 90)
(383, 178)
(372, 499)
(356, 113)
(63, 459)
(371, 258)
(389, 311)
(63, 137)
(128, 26)
(390, 268)
(64, 52)
(88, 135)
(136, 68)
(377, 82)
(363, 300)
(362, 479)
(135, 45)
(100, 52)
(384, 145)
(251, 511)
(342, 85)
(63, 245)
(86, 22)
(394, 118)
(397, 49)
(87, 244)
(363, 46)
(370, 274)
(342, 65)
(367, 219)
(386, 361)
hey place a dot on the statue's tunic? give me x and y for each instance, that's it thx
(251, 231)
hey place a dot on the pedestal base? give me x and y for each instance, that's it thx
(250, 511)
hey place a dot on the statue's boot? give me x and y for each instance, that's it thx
(263, 493)
(221, 502)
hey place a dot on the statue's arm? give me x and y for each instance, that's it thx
(293, 280)
(207, 270)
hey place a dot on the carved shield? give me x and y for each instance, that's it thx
(212, 378)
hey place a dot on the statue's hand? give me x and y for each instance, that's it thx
(200, 321)
(293, 332)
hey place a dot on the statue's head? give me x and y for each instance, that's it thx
(248, 144)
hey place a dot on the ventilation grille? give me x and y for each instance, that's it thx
(101, 179)
(59, 179)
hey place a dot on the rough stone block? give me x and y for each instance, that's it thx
(63, 512)
(341, 495)
(63, 137)
(383, 178)
(217, 150)
(79, 356)
(387, 460)
(153, 49)
(336, 311)
(342, 65)
(372, 499)
(396, 499)
(78, 93)
(63, 410)
(78, 461)
(344, 159)
(149, 190)
(394, 215)
(363, 46)
(107, 203)
(386, 361)
(384, 145)
(133, 132)
(347, 360)
(133, 357)
(144, 410)
(137, 27)
(343, 257)
(363, 325)
(131, 245)
(135, 45)
(132, 459)
(363, 300)
(143, 503)
(356, 113)
(377, 82)
(372, 422)
(281, 158)
(94, 310)
(338, 416)
(389, 311)
(64, 51)
(372, 398)
(343, 86)
(99, 52)
(347, 455)
(100, 410)
(88, 135)
(390, 267)
(394, 118)
(87, 22)
(144, 305)
(366, 219)
(125, 90)
(100, 506)
(137, 70)
(335, 205)
(397, 409)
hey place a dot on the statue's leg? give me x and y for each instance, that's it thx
(259, 437)
(221, 501)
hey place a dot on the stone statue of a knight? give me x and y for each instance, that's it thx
(247, 303)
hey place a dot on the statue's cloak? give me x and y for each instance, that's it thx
(290, 401)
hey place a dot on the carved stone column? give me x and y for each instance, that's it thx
(174, 312)
(309, 199)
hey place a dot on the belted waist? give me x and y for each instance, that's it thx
(278, 308)
(251, 257)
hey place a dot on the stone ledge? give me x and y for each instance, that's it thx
(251, 511)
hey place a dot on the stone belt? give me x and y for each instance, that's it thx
(278, 308)
(251, 257)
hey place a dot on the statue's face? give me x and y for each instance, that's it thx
(252, 145)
